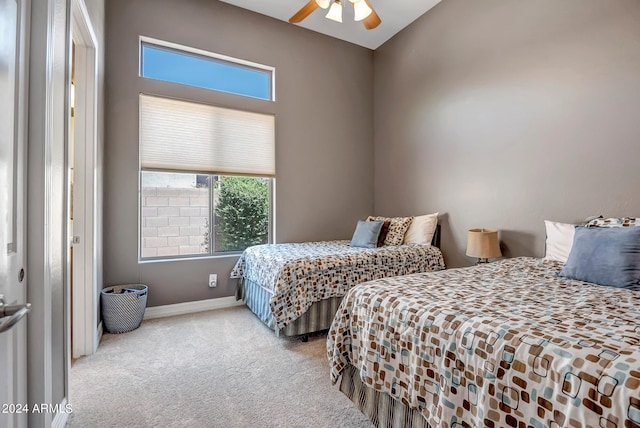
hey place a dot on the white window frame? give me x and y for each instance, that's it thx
(168, 94)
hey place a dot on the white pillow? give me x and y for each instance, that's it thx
(559, 240)
(421, 229)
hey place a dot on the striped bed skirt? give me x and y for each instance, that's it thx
(381, 409)
(317, 318)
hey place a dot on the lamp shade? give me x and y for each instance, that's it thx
(335, 11)
(323, 3)
(483, 244)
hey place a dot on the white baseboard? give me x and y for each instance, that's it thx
(60, 419)
(99, 334)
(191, 307)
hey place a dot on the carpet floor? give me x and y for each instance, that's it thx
(221, 368)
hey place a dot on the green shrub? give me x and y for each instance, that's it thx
(243, 213)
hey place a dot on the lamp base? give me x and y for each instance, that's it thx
(482, 261)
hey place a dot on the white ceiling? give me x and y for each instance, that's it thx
(395, 15)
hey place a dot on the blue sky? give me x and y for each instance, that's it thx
(161, 64)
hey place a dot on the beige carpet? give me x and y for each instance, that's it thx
(220, 368)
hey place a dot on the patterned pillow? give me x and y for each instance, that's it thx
(614, 222)
(383, 232)
(397, 228)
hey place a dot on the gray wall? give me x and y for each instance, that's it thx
(324, 131)
(503, 113)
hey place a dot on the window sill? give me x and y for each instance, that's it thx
(182, 259)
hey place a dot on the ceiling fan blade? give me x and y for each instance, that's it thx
(373, 20)
(304, 12)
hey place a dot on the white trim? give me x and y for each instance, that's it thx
(55, 14)
(191, 307)
(46, 216)
(85, 302)
(61, 417)
(186, 258)
(176, 46)
(98, 337)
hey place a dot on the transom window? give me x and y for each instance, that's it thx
(188, 66)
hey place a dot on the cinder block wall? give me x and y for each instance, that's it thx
(174, 221)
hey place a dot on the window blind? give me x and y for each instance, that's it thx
(184, 136)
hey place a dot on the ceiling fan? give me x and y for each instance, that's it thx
(362, 12)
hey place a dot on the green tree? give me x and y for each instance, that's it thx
(243, 212)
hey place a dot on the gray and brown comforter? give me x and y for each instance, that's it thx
(303, 273)
(508, 344)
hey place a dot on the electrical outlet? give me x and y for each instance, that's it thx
(213, 280)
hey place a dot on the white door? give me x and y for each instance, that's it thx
(13, 331)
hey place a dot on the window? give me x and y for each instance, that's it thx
(206, 178)
(187, 66)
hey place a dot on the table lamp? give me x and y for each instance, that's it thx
(483, 244)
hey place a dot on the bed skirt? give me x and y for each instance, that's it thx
(317, 318)
(382, 410)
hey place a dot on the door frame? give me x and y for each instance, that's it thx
(84, 306)
(47, 339)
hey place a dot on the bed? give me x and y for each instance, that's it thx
(506, 344)
(295, 289)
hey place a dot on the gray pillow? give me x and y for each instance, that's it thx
(366, 234)
(605, 256)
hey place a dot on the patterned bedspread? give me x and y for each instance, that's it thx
(508, 344)
(300, 274)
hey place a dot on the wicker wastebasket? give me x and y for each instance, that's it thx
(123, 307)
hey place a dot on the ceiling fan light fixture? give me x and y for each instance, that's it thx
(335, 12)
(361, 10)
(323, 3)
